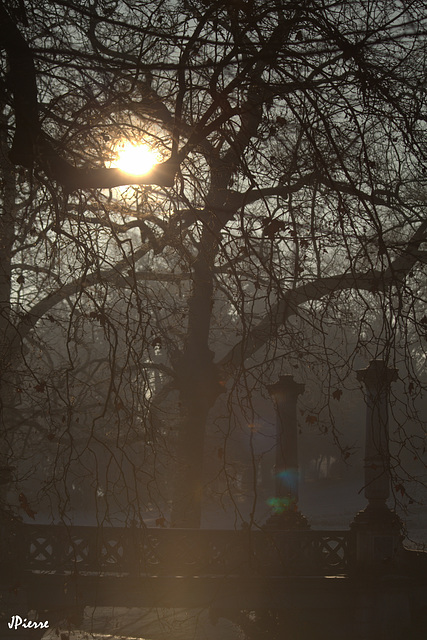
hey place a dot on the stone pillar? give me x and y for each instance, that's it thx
(284, 394)
(377, 528)
(377, 378)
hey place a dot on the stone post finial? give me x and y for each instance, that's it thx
(377, 374)
(285, 387)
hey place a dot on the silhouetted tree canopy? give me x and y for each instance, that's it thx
(283, 230)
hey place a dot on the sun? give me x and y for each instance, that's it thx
(136, 159)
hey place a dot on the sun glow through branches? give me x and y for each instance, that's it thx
(135, 159)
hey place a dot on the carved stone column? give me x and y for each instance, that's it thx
(284, 394)
(377, 528)
(377, 379)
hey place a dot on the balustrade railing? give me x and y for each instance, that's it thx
(180, 552)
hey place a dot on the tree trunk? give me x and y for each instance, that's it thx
(7, 228)
(198, 386)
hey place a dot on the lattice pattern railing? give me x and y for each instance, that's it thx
(110, 550)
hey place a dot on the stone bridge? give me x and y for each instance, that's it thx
(313, 578)
(360, 583)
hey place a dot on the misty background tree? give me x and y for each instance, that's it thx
(282, 231)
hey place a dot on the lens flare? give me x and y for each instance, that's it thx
(280, 505)
(288, 479)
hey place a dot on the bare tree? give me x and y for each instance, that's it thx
(289, 205)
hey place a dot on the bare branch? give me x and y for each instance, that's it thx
(373, 281)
